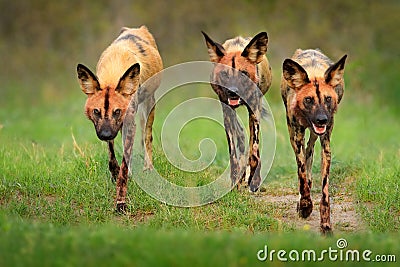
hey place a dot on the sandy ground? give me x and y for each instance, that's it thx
(343, 214)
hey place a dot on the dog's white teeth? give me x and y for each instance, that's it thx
(319, 129)
(233, 102)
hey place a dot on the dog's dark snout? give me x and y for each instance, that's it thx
(321, 119)
(233, 91)
(105, 134)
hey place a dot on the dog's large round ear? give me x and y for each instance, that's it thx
(215, 50)
(129, 82)
(294, 74)
(334, 77)
(334, 74)
(87, 80)
(256, 48)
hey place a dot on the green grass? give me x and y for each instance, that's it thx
(378, 188)
(27, 244)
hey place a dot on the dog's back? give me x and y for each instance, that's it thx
(313, 61)
(133, 45)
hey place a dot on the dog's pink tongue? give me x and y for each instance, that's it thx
(233, 102)
(319, 129)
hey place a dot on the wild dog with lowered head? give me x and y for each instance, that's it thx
(125, 65)
(244, 82)
(312, 86)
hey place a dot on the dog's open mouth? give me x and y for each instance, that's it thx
(234, 101)
(319, 129)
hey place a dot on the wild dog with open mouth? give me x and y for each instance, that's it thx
(312, 86)
(125, 65)
(242, 77)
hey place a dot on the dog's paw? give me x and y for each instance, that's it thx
(304, 207)
(255, 184)
(326, 229)
(121, 208)
(254, 187)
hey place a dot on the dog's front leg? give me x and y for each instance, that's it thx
(112, 163)
(122, 187)
(235, 137)
(324, 205)
(305, 205)
(128, 137)
(310, 157)
(149, 107)
(254, 153)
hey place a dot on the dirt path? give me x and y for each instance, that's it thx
(344, 217)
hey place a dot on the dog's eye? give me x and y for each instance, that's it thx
(245, 73)
(96, 112)
(328, 99)
(117, 112)
(308, 100)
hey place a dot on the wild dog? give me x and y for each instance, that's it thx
(130, 60)
(242, 77)
(312, 86)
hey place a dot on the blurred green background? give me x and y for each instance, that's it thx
(42, 41)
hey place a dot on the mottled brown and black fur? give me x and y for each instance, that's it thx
(242, 77)
(126, 64)
(312, 87)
